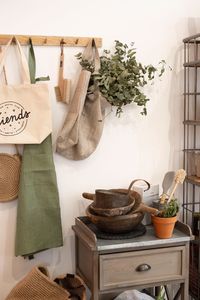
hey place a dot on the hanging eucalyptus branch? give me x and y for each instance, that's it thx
(121, 77)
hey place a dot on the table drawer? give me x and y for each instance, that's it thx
(141, 267)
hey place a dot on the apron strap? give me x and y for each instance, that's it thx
(32, 65)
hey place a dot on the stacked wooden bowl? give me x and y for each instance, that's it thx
(116, 210)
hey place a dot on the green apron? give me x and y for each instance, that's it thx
(38, 213)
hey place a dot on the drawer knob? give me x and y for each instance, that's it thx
(143, 267)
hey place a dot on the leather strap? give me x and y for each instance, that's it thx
(61, 67)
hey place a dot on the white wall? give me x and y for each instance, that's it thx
(132, 146)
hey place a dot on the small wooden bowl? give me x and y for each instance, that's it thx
(117, 224)
(111, 212)
(124, 192)
(106, 199)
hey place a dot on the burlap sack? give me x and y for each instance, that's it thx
(84, 122)
(25, 110)
(37, 285)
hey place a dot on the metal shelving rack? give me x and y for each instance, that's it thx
(191, 189)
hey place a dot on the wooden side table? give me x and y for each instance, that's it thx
(110, 267)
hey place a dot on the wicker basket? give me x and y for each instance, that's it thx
(37, 285)
(9, 176)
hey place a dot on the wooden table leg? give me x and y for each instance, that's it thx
(168, 293)
(95, 283)
(185, 290)
(185, 284)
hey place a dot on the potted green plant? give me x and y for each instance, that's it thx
(165, 221)
(121, 77)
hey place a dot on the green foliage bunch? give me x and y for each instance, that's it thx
(161, 295)
(170, 209)
(121, 77)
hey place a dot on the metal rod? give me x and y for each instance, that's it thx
(195, 90)
(184, 130)
(188, 39)
(191, 94)
(187, 104)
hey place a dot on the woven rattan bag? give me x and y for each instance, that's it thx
(37, 285)
(10, 166)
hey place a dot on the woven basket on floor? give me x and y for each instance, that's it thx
(37, 285)
(9, 176)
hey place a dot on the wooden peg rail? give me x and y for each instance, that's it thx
(39, 40)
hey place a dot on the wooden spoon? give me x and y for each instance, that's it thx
(166, 184)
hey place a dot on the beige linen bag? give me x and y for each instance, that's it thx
(84, 122)
(25, 110)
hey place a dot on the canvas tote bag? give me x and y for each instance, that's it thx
(83, 125)
(10, 166)
(25, 111)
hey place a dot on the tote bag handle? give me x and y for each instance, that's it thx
(24, 71)
(6, 82)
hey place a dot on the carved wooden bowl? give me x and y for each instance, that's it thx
(111, 212)
(116, 224)
(115, 198)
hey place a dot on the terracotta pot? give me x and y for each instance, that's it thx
(163, 226)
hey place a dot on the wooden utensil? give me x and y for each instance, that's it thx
(62, 91)
(88, 196)
(179, 178)
(166, 184)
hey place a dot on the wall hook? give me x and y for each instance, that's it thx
(41, 40)
(62, 42)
